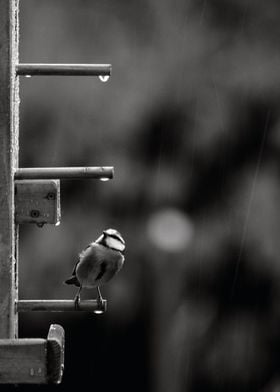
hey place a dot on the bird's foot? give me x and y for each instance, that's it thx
(100, 303)
(77, 300)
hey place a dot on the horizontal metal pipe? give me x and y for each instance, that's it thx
(52, 173)
(64, 69)
(42, 305)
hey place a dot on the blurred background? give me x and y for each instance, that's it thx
(190, 121)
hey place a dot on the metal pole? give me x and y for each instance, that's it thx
(102, 173)
(64, 69)
(42, 305)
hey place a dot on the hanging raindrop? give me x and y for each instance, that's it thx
(28, 76)
(104, 179)
(98, 311)
(104, 78)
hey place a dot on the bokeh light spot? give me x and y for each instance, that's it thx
(170, 230)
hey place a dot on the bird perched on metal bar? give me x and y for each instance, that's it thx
(98, 263)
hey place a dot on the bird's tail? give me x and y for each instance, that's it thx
(73, 280)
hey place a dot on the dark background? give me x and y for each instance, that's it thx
(190, 120)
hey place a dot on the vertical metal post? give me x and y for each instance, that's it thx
(9, 105)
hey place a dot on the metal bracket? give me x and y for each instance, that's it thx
(37, 201)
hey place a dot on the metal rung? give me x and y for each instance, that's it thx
(64, 69)
(42, 305)
(37, 173)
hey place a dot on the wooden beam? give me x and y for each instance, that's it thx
(9, 107)
(23, 361)
(33, 361)
(37, 201)
(55, 354)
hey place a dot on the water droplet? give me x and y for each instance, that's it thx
(31, 372)
(98, 311)
(104, 179)
(28, 76)
(57, 223)
(104, 78)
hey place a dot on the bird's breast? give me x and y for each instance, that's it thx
(98, 265)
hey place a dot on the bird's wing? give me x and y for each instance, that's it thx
(81, 254)
(74, 270)
(105, 270)
(97, 265)
(102, 270)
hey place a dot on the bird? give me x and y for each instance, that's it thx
(98, 263)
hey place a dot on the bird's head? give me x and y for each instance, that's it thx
(112, 239)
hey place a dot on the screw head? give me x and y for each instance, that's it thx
(51, 196)
(34, 213)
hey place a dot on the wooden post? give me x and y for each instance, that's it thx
(9, 102)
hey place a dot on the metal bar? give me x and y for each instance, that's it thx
(64, 69)
(100, 172)
(9, 107)
(42, 305)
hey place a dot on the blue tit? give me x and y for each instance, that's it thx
(98, 263)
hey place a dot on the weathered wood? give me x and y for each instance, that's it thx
(65, 69)
(23, 361)
(62, 305)
(55, 353)
(33, 361)
(99, 172)
(37, 201)
(9, 102)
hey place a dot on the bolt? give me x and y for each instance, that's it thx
(34, 213)
(51, 196)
